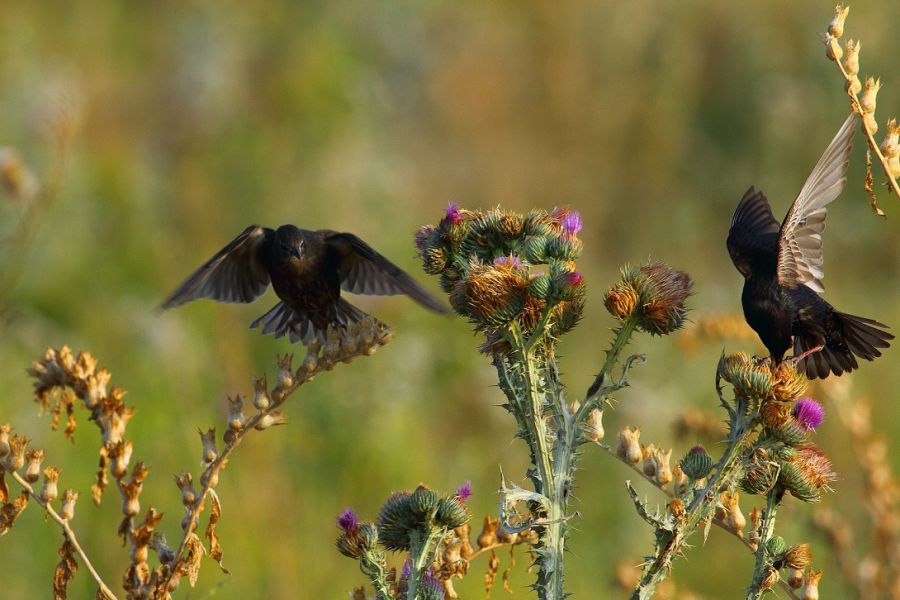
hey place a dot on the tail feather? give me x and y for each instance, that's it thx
(282, 321)
(848, 337)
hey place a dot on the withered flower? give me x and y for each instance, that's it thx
(798, 556)
(806, 473)
(629, 446)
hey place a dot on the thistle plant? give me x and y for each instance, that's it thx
(514, 277)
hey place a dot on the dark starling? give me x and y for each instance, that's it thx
(782, 269)
(308, 270)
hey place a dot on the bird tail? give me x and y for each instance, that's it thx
(849, 337)
(282, 320)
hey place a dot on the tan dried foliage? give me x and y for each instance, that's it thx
(65, 570)
(215, 513)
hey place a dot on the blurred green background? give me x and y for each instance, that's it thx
(193, 119)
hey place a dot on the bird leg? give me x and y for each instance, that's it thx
(803, 355)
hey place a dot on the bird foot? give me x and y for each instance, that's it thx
(803, 355)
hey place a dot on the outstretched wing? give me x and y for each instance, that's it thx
(234, 274)
(800, 241)
(753, 235)
(362, 270)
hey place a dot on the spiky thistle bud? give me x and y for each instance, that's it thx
(783, 425)
(760, 473)
(629, 446)
(697, 463)
(798, 556)
(394, 522)
(776, 547)
(851, 58)
(807, 473)
(69, 498)
(749, 379)
(663, 292)
(868, 102)
(33, 470)
(810, 589)
(836, 25)
(451, 513)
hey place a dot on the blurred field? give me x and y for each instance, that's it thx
(195, 119)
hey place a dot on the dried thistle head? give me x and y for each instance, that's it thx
(628, 447)
(760, 473)
(810, 588)
(836, 25)
(787, 383)
(798, 556)
(662, 292)
(748, 378)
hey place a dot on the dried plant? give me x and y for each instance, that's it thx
(62, 381)
(846, 58)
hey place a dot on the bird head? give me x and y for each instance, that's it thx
(290, 242)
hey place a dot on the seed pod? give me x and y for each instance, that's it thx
(67, 512)
(629, 446)
(209, 452)
(868, 102)
(593, 430)
(836, 25)
(49, 490)
(851, 59)
(33, 470)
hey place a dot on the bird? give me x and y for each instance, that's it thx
(308, 270)
(782, 267)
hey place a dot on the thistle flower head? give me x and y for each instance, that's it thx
(798, 556)
(348, 521)
(453, 214)
(654, 293)
(760, 473)
(574, 279)
(464, 492)
(749, 379)
(787, 383)
(569, 220)
(809, 412)
(806, 473)
(512, 262)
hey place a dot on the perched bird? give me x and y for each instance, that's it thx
(308, 270)
(782, 269)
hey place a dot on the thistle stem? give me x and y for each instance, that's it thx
(623, 336)
(421, 556)
(766, 530)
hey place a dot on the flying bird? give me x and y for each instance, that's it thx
(782, 269)
(307, 270)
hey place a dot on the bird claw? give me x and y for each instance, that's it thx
(803, 355)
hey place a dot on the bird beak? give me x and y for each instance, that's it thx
(295, 252)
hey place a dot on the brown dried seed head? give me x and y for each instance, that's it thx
(260, 393)
(851, 59)
(853, 85)
(836, 26)
(621, 300)
(15, 458)
(868, 102)
(5, 430)
(647, 453)
(663, 470)
(769, 579)
(121, 456)
(185, 483)
(870, 123)
(787, 383)
(49, 489)
(890, 146)
(734, 519)
(67, 512)
(810, 589)
(833, 48)
(209, 452)
(681, 480)
(629, 446)
(798, 556)
(236, 418)
(33, 470)
(593, 430)
(795, 578)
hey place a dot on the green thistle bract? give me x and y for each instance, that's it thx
(451, 514)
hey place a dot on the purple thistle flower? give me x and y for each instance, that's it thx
(809, 412)
(508, 261)
(571, 223)
(574, 278)
(698, 450)
(464, 492)
(407, 569)
(454, 215)
(422, 236)
(348, 521)
(429, 580)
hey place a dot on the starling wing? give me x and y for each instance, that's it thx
(234, 274)
(753, 234)
(800, 241)
(362, 270)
